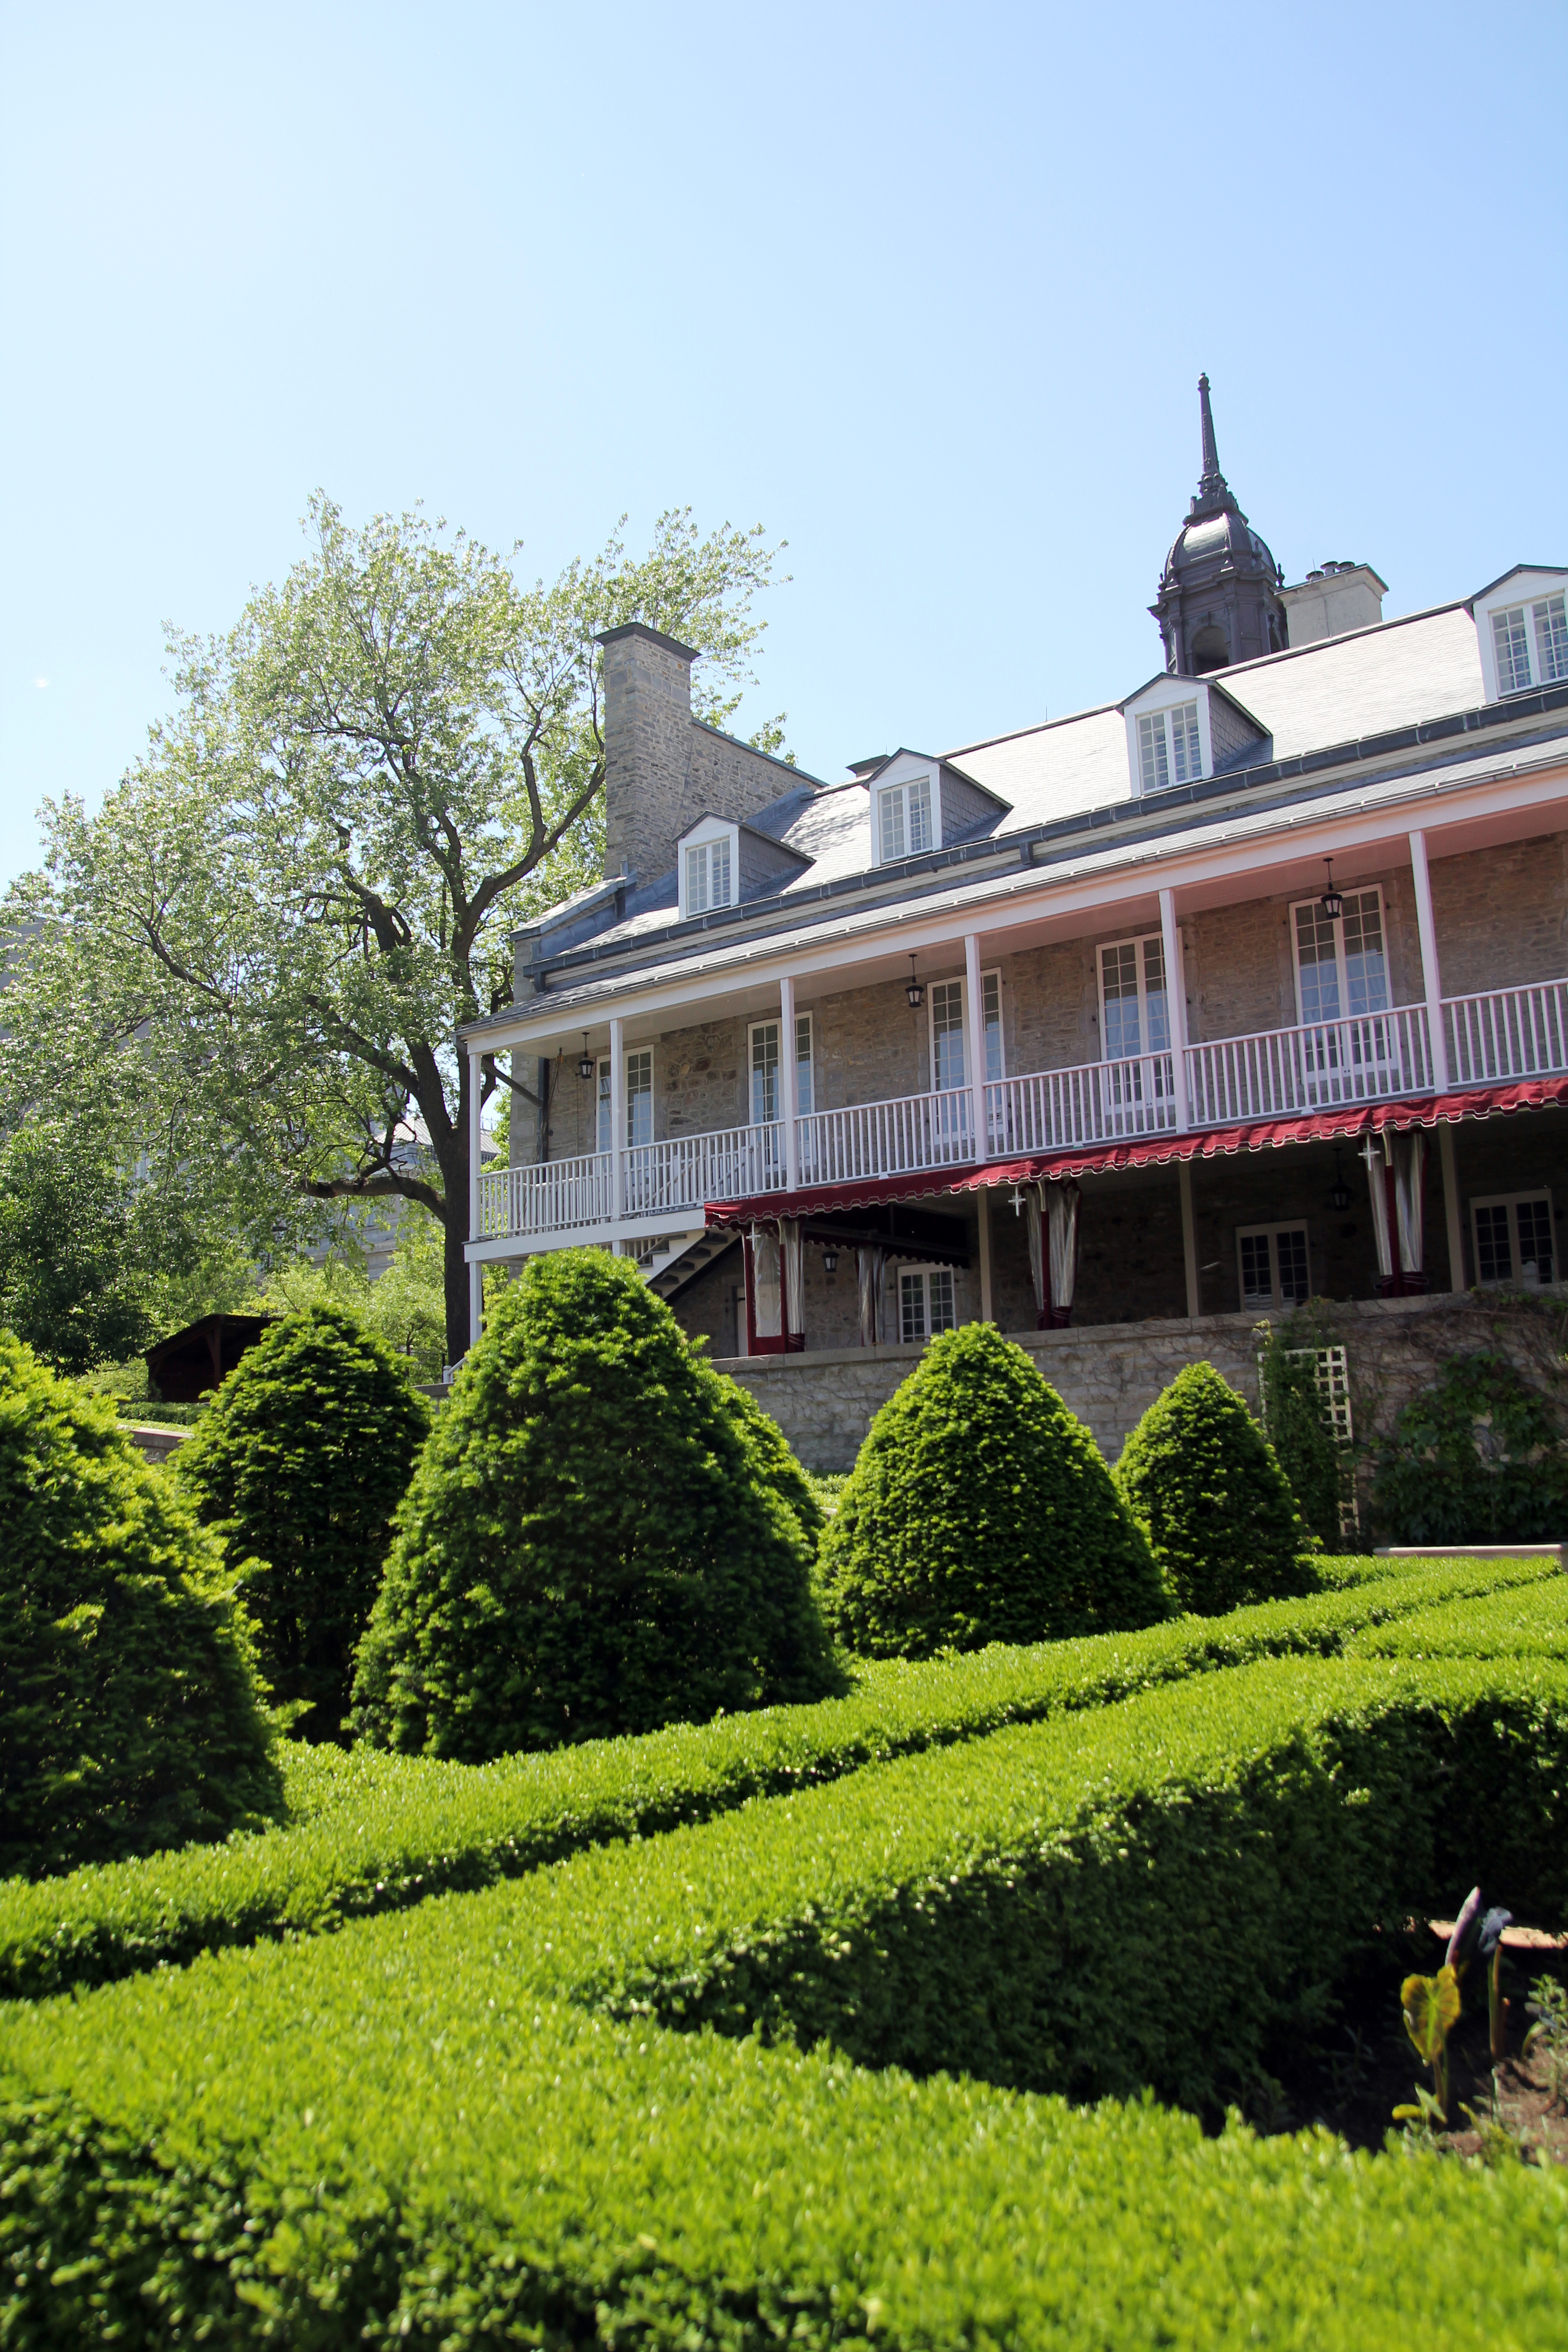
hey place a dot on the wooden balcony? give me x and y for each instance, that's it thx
(1490, 1039)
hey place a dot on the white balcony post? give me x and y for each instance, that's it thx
(787, 1104)
(475, 1271)
(1431, 975)
(618, 1118)
(1176, 1006)
(974, 1039)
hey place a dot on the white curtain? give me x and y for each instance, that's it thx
(765, 1299)
(1409, 1178)
(1375, 1155)
(1063, 1220)
(870, 1262)
(793, 1276)
(1036, 1247)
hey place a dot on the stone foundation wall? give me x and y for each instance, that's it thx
(1109, 1375)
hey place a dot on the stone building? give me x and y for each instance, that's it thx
(1171, 1013)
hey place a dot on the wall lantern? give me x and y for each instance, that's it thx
(830, 1263)
(915, 991)
(1339, 1197)
(1332, 902)
(584, 1061)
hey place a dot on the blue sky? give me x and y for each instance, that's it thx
(926, 291)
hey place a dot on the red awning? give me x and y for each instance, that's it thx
(1153, 1151)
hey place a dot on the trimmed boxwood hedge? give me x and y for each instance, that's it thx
(596, 1540)
(402, 2135)
(1532, 1623)
(378, 1832)
(132, 1718)
(978, 1510)
(298, 1463)
(1201, 1479)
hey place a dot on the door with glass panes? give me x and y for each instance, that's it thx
(1137, 1085)
(1342, 991)
(953, 1118)
(766, 1100)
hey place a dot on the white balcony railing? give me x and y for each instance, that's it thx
(559, 1198)
(1098, 1102)
(687, 1169)
(887, 1138)
(1380, 1056)
(1511, 1033)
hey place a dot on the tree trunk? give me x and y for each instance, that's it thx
(456, 1271)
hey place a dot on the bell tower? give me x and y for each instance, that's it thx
(1219, 592)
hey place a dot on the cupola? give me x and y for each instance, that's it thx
(1219, 592)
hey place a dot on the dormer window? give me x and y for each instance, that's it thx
(709, 868)
(707, 877)
(1530, 642)
(1170, 746)
(904, 827)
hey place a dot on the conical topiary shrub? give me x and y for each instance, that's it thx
(593, 1542)
(1203, 1482)
(980, 1510)
(299, 1463)
(131, 1715)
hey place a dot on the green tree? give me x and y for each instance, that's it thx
(133, 1717)
(299, 1463)
(978, 1510)
(88, 1256)
(594, 1542)
(1317, 1466)
(1204, 1485)
(270, 932)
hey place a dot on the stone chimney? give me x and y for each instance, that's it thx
(648, 749)
(1332, 600)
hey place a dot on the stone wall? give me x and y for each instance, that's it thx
(1111, 1375)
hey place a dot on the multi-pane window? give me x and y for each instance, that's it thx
(1532, 644)
(640, 1099)
(1170, 749)
(1514, 1238)
(1134, 1012)
(946, 1035)
(766, 1102)
(903, 820)
(707, 877)
(949, 1051)
(1341, 971)
(1274, 1266)
(925, 1302)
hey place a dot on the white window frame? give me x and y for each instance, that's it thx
(922, 1271)
(1141, 942)
(1372, 1011)
(1277, 1302)
(602, 1142)
(706, 835)
(990, 993)
(804, 1093)
(1522, 591)
(1158, 701)
(1513, 1202)
(899, 778)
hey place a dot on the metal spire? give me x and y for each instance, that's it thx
(1214, 490)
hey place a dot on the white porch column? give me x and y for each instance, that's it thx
(1176, 1006)
(617, 1118)
(1431, 975)
(983, 1199)
(476, 1302)
(787, 1104)
(974, 1040)
(475, 1080)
